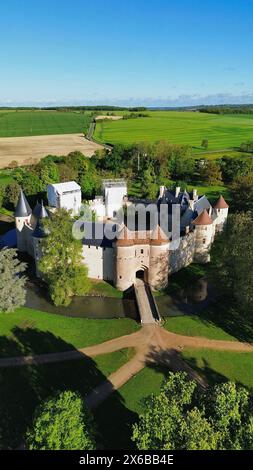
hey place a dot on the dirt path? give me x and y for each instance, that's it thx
(153, 345)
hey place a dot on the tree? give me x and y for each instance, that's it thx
(232, 259)
(12, 281)
(233, 168)
(242, 193)
(62, 423)
(48, 172)
(11, 194)
(31, 183)
(181, 417)
(150, 188)
(67, 173)
(62, 261)
(210, 172)
(204, 143)
(2, 195)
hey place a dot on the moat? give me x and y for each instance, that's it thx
(187, 301)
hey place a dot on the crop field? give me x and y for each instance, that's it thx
(29, 150)
(30, 123)
(188, 128)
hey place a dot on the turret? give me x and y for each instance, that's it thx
(38, 234)
(125, 260)
(159, 254)
(22, 215)
(204, 234)
(220, 213)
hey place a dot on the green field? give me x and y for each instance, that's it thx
(222, 131)
(28, 123)
(117, 414)
(28, 331)
(23, 388)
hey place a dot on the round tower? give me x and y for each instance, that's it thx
(159, 259)
(38, 234)
(125, 260)
(22, 216)
(221, 213)
(204, 234)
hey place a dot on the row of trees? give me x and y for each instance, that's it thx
(157, 164)
(180, 417)
(227, 109)
(232, 259)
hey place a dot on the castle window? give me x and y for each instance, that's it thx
(204, 241)
(120, 277)
(96, 247)
(88, 246)
(142, 251)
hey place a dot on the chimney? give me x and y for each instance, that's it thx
(161, 191)
(187, 229)
(191, 204)
(177, 191)
(195, 194)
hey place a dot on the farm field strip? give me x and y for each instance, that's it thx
(180, 128)
(29, 123)
(29, 150)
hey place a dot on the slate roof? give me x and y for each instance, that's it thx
(37, 209)
(39, 231)
(95, 234)
(22, 209)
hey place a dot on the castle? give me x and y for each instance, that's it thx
(130, 252)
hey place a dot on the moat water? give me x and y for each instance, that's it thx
(191, 300)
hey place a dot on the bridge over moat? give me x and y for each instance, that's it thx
(148, 310)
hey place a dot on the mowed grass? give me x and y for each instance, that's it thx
(23, 388)
(29, 123)
(27, 331)
(188, 128)
(196, 326)
(119, 412)
(218, 366)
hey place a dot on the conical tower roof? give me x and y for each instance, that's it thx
(203, 219)
(221, 203)
(39, 231)
(22, 209)
(158, 236)
(125, 238)
(36, 210)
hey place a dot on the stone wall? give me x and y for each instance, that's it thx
(183, 255)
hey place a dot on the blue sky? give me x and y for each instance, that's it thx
(153, 52)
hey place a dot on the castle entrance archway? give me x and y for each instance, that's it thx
(142, 273)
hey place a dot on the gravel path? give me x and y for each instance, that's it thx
(153, 345)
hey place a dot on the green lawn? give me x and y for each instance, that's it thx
(117, 414)
(5, 178)
(222, 131)
(104, 289)
(211, 192)
(25, 123)
(195, 326)
(28, 331)
(22, 388)
(218, 366)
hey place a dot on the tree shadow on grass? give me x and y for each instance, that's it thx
(22, 388)
(226, 317)
(169, 360)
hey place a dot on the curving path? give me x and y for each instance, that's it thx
(153, 345)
